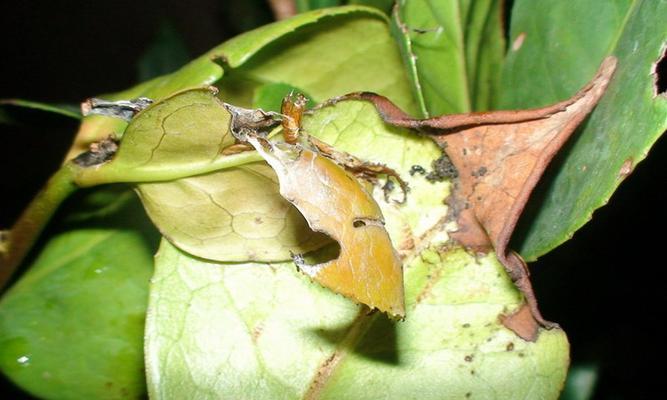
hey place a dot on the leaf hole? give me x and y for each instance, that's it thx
(324, 254)
(659, 72)
(361, 222)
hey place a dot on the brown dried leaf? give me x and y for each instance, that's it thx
(367, 268)
(500, 156)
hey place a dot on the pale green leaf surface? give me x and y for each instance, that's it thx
(71, 327)
(227, 331)
(563, 44)
(468, 34)
(230, 215)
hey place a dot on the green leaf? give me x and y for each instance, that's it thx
(313, 60)
(307, 5)
(552, 55)
(206, 69)
(66, 110)
(71, 327)
(265, 330)
(181, 136)
(231, 215)
(382, 5)
(580, 383)
(269, 97)
(468, 34)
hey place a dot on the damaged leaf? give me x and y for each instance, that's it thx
(356, 128)
(620, 131)
(500, 156)
(227, 215)
(367, 268)
(187, 131)
(228, 330)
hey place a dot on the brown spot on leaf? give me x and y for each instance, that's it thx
(518, 42)
(510, 346)
(626, 168)
(468, 358)
(478, 173)
(257, 332)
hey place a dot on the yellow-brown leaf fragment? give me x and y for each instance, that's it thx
(367, 269)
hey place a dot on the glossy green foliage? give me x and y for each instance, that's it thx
(313, 60)
(71, 327)
(556, 48)
(468, 35)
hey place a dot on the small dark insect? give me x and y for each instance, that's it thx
(417, 169)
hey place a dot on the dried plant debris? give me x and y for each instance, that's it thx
(499, 156)
(123, 109)
(98, 153)
(251, 121)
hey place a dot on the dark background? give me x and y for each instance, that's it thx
(605, 286)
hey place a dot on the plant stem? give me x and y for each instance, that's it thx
(32, 221)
